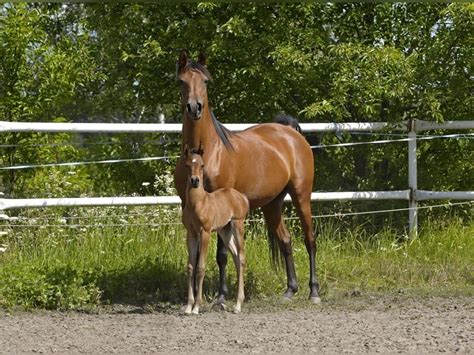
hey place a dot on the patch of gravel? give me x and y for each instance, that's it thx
(426, 325)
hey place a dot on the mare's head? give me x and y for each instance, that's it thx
(195, 168)
(193, 78)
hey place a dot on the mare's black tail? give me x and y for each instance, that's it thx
(288, 120)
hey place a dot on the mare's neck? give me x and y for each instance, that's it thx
(199, 134)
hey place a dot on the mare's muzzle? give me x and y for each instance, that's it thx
(194, 109)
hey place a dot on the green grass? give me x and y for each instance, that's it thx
(82, 267)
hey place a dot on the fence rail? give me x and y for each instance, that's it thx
(6, 203)
(56, 127)
(413, 195)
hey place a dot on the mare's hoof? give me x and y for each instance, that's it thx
(288, 295)
(315, 300)
(286, 299)
(236, 310)
(219, 306)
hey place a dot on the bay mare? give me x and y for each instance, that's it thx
(264, 162)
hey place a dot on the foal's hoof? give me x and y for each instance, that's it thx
(315, 300)
(186, 309)
(237, 308)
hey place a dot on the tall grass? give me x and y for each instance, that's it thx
(60, 267)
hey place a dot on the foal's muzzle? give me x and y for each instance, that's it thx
(194, 181)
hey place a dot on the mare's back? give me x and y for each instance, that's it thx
(266, 158)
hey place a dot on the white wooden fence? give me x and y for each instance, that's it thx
(412, 194)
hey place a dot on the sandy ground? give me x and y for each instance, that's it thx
(426, 325)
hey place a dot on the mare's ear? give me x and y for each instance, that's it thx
(183, 59)
(202, 58)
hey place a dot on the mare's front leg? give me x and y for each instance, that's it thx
(221, 258)
(201, 268)
(192, 242)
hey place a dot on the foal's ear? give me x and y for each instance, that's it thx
(200, 151)
(183, 58)
(202, 58)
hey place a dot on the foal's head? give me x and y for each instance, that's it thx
(193, 78)
(195, 167)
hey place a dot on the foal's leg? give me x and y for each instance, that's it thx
(276, 228)
(239, 260)
(192, 261)
(301, 198)
(201, 268)
(233, 237)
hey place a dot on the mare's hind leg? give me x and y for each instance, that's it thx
(277, 229)
(221, 258)
(302, 201)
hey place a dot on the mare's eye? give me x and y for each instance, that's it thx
(202, 166)
(180, 82)
(206, 81)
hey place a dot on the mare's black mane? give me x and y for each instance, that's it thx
(223, 133)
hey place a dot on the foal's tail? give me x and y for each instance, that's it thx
(288, 120)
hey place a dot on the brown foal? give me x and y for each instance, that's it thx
(224, 211)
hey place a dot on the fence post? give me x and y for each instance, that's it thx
(412, 180)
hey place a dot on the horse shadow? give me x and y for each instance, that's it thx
(154, 283)
(146, 282)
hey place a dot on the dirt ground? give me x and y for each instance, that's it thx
(410, 325)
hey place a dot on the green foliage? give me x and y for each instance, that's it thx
(58, 287)
(44, 78)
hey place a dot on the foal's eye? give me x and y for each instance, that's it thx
(180, 82)
(206, 81)
(202, 166)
